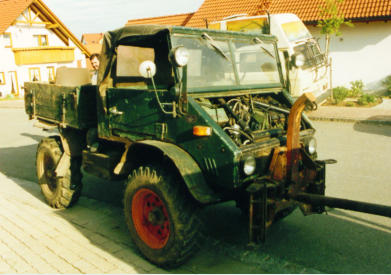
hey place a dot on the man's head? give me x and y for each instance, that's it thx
(94, 58)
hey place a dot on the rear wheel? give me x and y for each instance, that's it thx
(161, 216)
(59, 192)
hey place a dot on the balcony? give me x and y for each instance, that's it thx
(42, 55)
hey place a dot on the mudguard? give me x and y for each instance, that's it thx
(189, 169)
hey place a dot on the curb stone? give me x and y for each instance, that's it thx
(351, 120)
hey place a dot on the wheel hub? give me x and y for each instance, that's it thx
(150, 218)
(156, 216)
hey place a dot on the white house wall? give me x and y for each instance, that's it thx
(23, 37)
(360, 53)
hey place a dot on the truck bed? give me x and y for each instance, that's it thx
(68, 106)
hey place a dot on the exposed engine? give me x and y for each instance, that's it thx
(248, 118)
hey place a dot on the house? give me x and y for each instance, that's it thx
(361, 53)
(33, 44)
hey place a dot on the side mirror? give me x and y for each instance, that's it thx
(147, 69)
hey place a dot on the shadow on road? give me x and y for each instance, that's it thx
(377, 129)
(326, 243)
(37, 138)
(19, 162)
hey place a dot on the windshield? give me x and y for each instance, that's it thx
(217, 62)
(296, 30)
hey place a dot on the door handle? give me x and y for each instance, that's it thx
(114, 111)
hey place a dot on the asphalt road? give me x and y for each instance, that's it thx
(340, 242)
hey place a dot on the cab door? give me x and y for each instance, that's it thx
(132, 104)
(133, 113)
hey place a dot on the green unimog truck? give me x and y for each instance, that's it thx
(187, 118)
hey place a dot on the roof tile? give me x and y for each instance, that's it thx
(176, 20)
(91, 38)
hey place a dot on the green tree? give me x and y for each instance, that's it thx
(331, 21)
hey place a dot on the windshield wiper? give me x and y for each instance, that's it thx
(259, 41)
(215, 46)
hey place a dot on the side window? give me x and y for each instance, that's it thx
(2, 78)
(51, 74)
(41, 40)
(35, 74)
(129, 59)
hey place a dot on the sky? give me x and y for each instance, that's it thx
(96, 16)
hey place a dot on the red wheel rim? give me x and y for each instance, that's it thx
(150, 218)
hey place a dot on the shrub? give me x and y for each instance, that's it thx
(387, 83)
(340, 93)
(365, 99)
(356, 88)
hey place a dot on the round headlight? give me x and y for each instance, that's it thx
(311, 147)
(299, 60)
(181, 55)
(249, 165)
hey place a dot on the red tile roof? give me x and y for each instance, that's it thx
(308, 11)
(175, 20)
(356, 10)
(94, 48)
(213, 10)
(91, 38)
(10, 10)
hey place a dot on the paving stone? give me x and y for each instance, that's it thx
(61, 263)
(17, 262)
(157, 270)
(5, 268)
(130, 257)
(112, 247)
(128, 268)
(85, 267)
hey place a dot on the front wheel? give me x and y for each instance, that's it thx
(59, 192)
(161, 216)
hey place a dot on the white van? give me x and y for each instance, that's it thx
(294, 39)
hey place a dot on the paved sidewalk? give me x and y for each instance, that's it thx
(12, 104)
(35, 238)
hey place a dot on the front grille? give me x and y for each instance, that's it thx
(313, 56)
